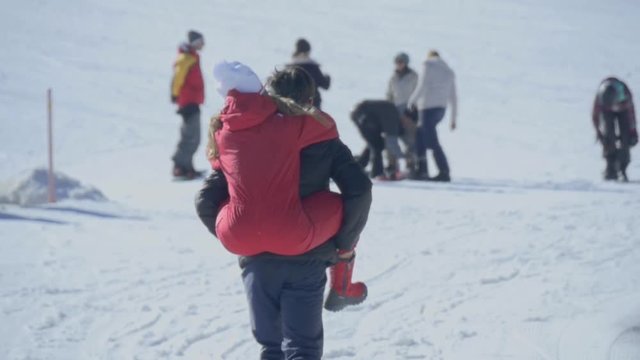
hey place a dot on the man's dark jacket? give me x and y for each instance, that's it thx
(319, 163)
(379, 114)
(321, 80)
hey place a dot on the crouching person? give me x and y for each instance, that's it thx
(380, 124)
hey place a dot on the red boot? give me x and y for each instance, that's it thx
(343, 292)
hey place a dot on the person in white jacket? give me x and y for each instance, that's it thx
(436, 89)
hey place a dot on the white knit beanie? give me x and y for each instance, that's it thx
(235, 76)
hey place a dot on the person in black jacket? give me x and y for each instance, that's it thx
(301, 57)
(285, 293)
(614, 120)
(381, 126)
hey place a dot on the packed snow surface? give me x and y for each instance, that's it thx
(526, 255)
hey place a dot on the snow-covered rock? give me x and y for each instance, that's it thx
(31, 188)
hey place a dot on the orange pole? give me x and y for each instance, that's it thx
(52, 178)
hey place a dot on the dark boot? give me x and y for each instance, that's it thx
(623, 158)
(611, 171)
(442, 177)
(623, 174)
(343, 292)
(420, 172)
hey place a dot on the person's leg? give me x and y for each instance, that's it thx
(371, 133)
(343, 291)
(432, 119)
(421, 166)
(376, 146)
(189, 140)
(263, 281)
(301, 304)
(324, 210)
(609, 150)
(624, 153)
(393, 146)
(408, 134)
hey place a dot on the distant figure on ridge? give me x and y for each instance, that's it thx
(301, 57)
(613, 110)
(187, 91)
(436, 89)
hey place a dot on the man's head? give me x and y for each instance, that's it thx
(302, 47)
(433, 54)
(196, 40)
(402, 61)
(293, 83)
(612, 93)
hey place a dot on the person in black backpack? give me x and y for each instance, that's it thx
(301, 57)
(613, 109)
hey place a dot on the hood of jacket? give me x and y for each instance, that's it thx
(185, 48)
(246, 110)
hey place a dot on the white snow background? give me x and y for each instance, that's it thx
(526, 255)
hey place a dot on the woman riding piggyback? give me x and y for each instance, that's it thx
(256, 141)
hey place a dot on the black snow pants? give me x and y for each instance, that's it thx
(616, 141)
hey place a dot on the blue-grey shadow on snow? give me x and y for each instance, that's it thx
(506, 186)
(93, 213)
(13, 217)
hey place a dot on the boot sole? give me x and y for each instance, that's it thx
(337, 302)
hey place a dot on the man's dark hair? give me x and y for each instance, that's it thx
(294, 83)
(302, 47)
(612, 92)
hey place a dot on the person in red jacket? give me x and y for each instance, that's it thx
(614, 120)
(253, 201)
(257, 147)
(187, 91)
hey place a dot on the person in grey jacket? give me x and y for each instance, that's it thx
(402, 83)
(436, 89)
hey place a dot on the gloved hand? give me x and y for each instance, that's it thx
(174, 99)
(412, 113)
(328, 80)
(599, 137)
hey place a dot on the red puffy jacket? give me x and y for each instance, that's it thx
(259, 153)
(187, 86)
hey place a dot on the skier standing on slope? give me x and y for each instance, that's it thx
(435, 90)
(285, 291)
(187, 91)
(402, 83)
(302, 58)
(380, 125)
(613, 110)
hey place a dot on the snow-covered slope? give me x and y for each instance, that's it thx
(527, 255)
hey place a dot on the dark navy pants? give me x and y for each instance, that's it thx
(372, 134)
(285, 304)
(427, 137)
